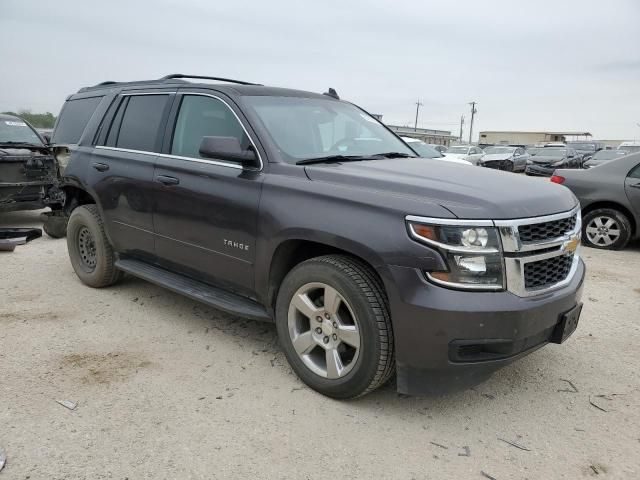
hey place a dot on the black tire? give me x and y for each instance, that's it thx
(55, 225)
(357, 283)
(617, 217)
(90, 252)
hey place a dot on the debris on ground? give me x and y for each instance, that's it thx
(439, 445)
(515, 444)
(68, 404)
(3, 458)
(575, 390)
(486, 475)
(597, 406)
(467, 452)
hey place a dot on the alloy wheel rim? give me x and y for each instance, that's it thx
(603, 231)
(323, 330)
(87, 249)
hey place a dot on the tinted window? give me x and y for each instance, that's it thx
(635, 173)
(73, 119)
(200, 117)
(141, 122)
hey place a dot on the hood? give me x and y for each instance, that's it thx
(487, 157)
(453, 160)
(470, 193)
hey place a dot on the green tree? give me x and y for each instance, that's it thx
(38, 120)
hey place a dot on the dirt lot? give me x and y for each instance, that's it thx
(168, 388)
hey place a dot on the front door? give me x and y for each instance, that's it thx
(206, 209)
(632, 189)
(121, 169)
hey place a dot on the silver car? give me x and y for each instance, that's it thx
(512, 159)
(609, 195)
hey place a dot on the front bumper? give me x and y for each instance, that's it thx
(498, 164)
(540, 170)
(449, 340)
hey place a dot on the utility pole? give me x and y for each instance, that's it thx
(418, 105)
(473, 112)
(461, 126)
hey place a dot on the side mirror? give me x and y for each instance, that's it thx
(227, 148)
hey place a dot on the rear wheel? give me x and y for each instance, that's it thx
(90, 252)
(334, 325)
(606, 228)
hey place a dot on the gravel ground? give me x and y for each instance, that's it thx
(168, 388)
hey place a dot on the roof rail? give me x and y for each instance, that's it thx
(202, 77)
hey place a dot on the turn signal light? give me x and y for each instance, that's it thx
(557, 179)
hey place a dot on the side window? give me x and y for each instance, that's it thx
(141, 117)
(73, 119)
(520, 151)
(635, 173)
(202, 116)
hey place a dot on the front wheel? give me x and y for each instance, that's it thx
(333, 322)
(606, 228)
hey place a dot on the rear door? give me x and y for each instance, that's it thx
(121, 168)
(206, 209)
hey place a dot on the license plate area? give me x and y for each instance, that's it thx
(566, 325)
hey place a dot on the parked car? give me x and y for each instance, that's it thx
(545, 160)
(426, 151)
(604, 156)
(28, 172)
(512, 159)
(465, 152)
(586, 149)
(440, 148)
(302, 209)
(629, 147)
(609, 195)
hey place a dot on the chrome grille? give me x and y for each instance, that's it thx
(544, 273)
(538, 232)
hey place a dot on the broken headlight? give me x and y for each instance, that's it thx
(472, 252)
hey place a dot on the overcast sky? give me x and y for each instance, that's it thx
(535, 65)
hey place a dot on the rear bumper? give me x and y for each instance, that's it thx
(449, 340)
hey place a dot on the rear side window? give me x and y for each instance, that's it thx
(73, 119)
(140, 123)
(635, 173)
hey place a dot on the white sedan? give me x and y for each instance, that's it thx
(427, 151)
(465, 152)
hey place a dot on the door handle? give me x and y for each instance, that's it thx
(101, 167)
(636, 185)
(166, 180)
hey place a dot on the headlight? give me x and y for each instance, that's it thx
(529, 162)
(558, 163)
(472, 253)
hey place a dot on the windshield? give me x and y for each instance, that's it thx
(424, 150)
(491, 150)
(15, 130)
(608, 154)
(590, 147)
(630, 148)
(305, 128)
(463, 150)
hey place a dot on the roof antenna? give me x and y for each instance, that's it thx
(332, 93)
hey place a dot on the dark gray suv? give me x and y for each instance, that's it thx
(299, 208)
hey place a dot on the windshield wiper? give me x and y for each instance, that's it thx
(394, 155)
(332, 159)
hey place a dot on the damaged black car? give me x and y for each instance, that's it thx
(29, 174)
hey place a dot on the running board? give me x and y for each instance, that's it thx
(212, 296)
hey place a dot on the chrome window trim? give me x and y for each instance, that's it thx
(177, 157)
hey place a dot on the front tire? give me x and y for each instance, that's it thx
(90, 252)
(333, 322)
(606, 228)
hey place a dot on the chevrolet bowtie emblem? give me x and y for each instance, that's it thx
(572, 244)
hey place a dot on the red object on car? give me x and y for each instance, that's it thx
(557, 179)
